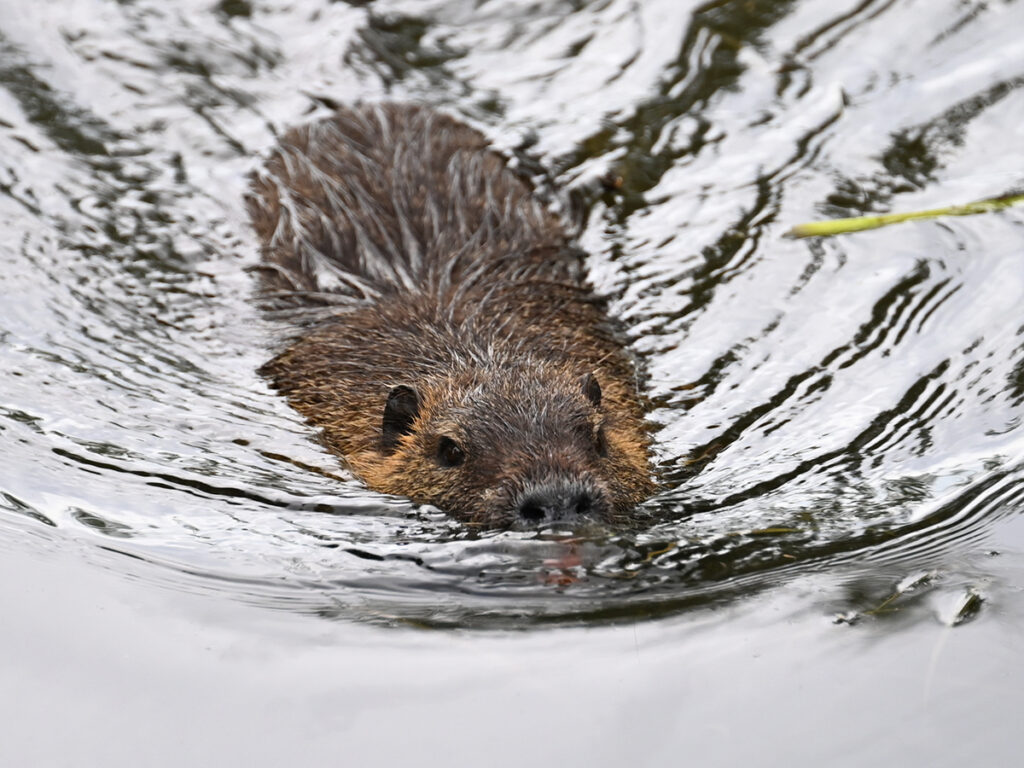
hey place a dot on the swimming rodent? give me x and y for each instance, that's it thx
(447, 342)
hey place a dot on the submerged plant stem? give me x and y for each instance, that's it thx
(860, 223)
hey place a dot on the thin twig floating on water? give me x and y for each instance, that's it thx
(860, 223)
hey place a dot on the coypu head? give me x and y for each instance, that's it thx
(521, 446)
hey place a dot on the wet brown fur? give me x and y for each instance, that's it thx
(409, 254)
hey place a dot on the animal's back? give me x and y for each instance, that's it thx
(394, 198)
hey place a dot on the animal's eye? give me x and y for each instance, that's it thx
(600, 442)
(449, 454)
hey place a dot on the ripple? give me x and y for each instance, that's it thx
(845, 404)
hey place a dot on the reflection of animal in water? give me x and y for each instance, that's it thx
(459, 357)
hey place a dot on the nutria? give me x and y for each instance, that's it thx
(448, 345)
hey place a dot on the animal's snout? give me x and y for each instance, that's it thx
(559, 501)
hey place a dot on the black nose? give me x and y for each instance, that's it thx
(558, 502)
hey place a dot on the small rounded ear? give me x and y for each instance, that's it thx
(400, 411)
(590, 387)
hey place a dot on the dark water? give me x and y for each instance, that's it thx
(840, 421)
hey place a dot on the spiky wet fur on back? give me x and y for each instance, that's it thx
(442, 272)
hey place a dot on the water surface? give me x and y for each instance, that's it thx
(839, 421)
